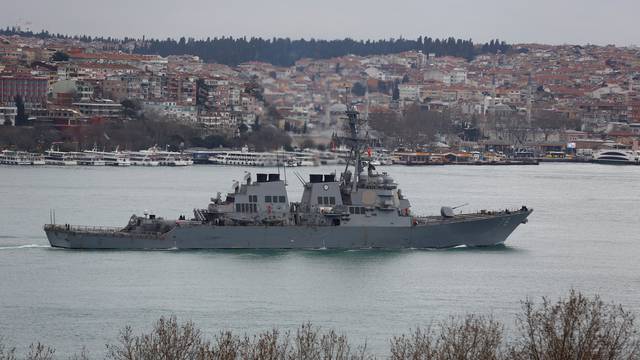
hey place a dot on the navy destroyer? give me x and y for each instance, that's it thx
(360, 209)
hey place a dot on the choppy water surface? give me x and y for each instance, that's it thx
(584, 234)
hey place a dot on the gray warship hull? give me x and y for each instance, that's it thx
(423, 233)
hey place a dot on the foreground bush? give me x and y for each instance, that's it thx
(470, 338)
(169, 340)
(576, 327)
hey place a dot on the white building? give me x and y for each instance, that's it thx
(8, 115)
(409, 91)
(458, 76)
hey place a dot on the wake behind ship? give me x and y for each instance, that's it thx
(363, 209)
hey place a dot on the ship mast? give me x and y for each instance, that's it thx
(355, 143)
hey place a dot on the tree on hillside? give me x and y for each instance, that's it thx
(552, 121)
(396, 92)
(358, 89)
(282, 51)
(416, 126)
(131, 108)
(59, 56)
(21, 117)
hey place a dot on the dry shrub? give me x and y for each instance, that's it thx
(83, 355)
(6, 353)
(473, 337)
(40, 352)
(168, 340)
(575, 328)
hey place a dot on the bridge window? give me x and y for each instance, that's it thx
(267, 199)
(237, 207)
(358, 210)
(253, 198)
(282, 199)
(332, 200)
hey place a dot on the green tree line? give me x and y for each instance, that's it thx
(285, 51)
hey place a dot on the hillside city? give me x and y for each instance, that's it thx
(543, 98)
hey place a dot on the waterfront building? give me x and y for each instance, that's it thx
(99, 108)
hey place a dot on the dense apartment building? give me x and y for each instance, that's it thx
(33, 90)
(213, 94)
(181, 89)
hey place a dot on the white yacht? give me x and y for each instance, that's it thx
(617, 156)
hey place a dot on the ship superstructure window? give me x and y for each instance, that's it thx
(275, 199)
(253, 198)
(247, 208)
(358, 210)
(326, 200)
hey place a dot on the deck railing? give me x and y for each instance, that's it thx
(83, 228)
(104, 230)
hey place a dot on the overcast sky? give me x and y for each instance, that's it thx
(541, 21)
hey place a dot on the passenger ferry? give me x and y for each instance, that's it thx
(56, 157)
(247, 158)
(88, 158)
(110, 158)
(147, 157)
(177, 159)
(418, 158)
(36, 159)
(117, 158)
(10, 157)
(156, 157)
